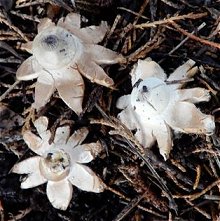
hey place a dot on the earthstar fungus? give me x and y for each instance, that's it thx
(61, 54)
(157, 104)
(59, 164)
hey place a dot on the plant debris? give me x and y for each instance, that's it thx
(137, 183)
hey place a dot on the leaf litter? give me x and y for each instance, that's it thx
(139, 183)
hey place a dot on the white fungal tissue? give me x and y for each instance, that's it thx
(59, 164)
(61, 54)
(157, 104)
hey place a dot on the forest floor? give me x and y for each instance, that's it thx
(141, 187)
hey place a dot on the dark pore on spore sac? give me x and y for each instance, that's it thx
(145, 89)
(50, 42)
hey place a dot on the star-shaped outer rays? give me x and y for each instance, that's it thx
(157, 104)
(59, 164)
(61, 54)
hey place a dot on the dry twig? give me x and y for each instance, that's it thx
(198, 175)
(129, 200)
(3, 96)
(14, 28)
(205, 214)
(170, 20)
(196, 38)
(197, 195)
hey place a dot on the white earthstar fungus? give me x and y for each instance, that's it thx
(59, 164)
(157, 104)
(61, 54)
